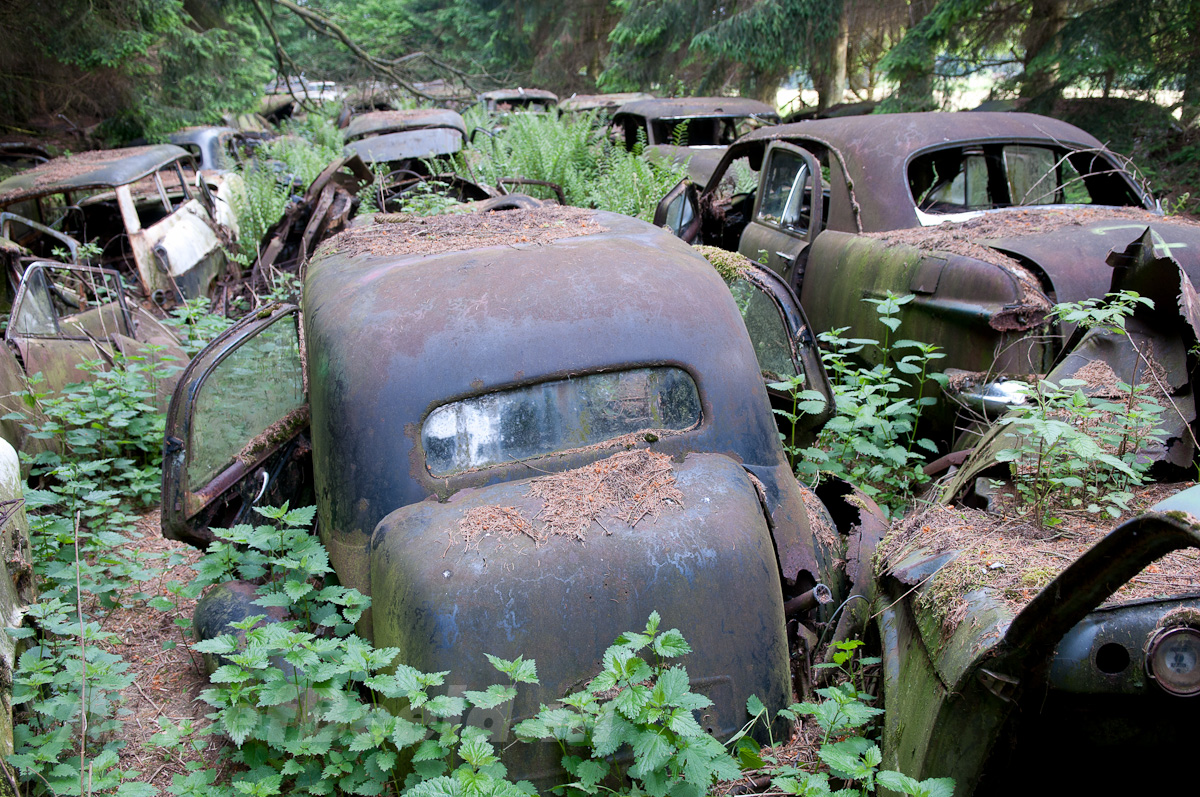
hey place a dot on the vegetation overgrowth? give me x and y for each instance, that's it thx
(306, 704)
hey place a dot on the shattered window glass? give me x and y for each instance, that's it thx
(71, 303)
(535, 420)
(984, 176)
(257, 385)
(768, 330)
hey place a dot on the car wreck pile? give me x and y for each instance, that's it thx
(526, 426)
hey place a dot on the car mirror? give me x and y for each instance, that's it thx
(679, 211)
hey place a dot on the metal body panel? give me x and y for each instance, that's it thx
(563, 603)
(684, 107)
(380, 330)
(1073, 258)
(376, 123)
(408, 144)
(181, 251)
(86, 170)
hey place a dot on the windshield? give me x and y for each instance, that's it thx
(985, 176)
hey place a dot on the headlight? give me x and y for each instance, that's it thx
(1173, 660)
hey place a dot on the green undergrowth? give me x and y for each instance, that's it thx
(573, 152)
(872, 441)
(102, 467)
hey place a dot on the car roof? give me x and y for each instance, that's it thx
(876, 149)
(588, 102)
(376, 122)
(903, 133)
(697, 106)
(106, 168)
(500, 95)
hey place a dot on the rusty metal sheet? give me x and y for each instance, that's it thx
(97, 169)
(381, 326)
(581, 103)
(376, 123)
(510, 597)
(693, 107)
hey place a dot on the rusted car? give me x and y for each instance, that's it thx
(64, 316)
(218, 151)
(603, 104)
(692, 130)
(136, 204)
(502, 101)
(403, 142)
(1009, 650)
(987, 218)
(457, 383)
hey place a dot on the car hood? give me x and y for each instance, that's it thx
(1071, 248)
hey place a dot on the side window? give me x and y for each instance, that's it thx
(787, 193)
(77, 303)
(768, 331)
(251, 393)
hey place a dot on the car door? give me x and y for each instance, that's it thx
(786, 349)
(789, 211)
(237, 429)
(64, 316)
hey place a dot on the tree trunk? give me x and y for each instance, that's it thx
(832, 89)
(1039, 84)
(1189, 113)
(914, 91)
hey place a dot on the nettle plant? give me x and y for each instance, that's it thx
(1072, 451)
(313, 709)
(641, 707)
(872, 439)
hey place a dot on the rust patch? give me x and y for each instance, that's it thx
(1018, 319)
(80, 163)
(403, 234)
(280, 431)
(631, 484)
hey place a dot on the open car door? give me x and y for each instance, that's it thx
(789, 211)
(237, 429)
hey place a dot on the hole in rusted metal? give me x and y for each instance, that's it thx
(1112, 658)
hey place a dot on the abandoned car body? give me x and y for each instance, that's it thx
(136, 204)
(401, 138)
(64, 316)
(988, 219)
(695, 130)
(469, 371)
(403, 142)
(502, 101)
(1006, 650)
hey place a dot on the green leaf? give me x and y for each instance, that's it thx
(238, 722)
(134, 789)
(671, 644)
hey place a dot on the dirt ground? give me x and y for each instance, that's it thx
(166, 683)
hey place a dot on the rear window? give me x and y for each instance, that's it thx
(982, 177)
(535, 420)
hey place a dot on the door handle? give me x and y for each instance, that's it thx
(786, 256)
